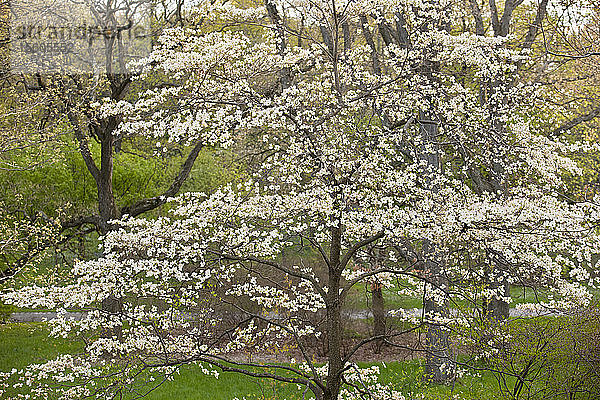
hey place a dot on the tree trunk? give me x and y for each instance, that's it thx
(112, 305)
(334, 330)
(438, 366)
(378, 308)
(497, 308)
(107, 207)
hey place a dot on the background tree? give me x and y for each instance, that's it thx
(58, 141)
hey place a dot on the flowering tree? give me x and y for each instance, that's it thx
(359, 145)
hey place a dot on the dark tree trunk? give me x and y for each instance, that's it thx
(107, 207)
(334, 330)
(497, 308)
(437, 347)
(112, 305)
(439, 367)
(378, 308)
(106, 200)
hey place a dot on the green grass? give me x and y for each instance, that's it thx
(22, 344)
(27, 343)
(522, 295)
(190, 384)
(358, 298)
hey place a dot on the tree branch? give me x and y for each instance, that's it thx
(369, 39)
(289, 271)
(79, 221)
(83, 147)
(221, 363)
(536, 25)
(509, 7)
(151, 203)
(290, 331)
(350, 253)
(495, 20)
(377, 337)
(576, 121)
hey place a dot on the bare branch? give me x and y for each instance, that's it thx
(577, 121)
(151, 203)
(83, 146)
(350, 253)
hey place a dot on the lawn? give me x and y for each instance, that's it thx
(359, 299)
(23, 344)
